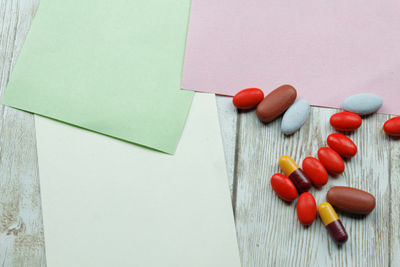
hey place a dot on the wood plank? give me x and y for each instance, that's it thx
(268, 230)
(21, 230)
(394, 219)
(228, 122)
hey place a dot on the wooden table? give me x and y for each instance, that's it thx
(267, 228)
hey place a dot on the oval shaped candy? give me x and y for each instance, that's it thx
(306, 208)
(314, 169)
(343, 145)
(276, 102)
(392, 126)
(331, 160)
(295, 117)
(283, 187)
(362, 104)
(351, 200)
(345, 121)
(248, 98)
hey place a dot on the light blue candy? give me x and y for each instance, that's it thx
(362, 104)
(295, 116)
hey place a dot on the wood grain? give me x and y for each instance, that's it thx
(21, 229)
(267, 228)
(268, 231)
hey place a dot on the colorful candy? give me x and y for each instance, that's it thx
(283, 187)
(345, 121)
(314, 170)
(248, 98)
(342, 145)
(331, 160)
(362, 104)
(332, 223)
(295, 117)
(351, 200)
(299, 179)
(306, 208)
(392, 126)
(276, 102)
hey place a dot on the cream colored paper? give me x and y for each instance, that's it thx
(111, 203)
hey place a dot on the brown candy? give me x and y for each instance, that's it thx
(276, 102)
(351, 200)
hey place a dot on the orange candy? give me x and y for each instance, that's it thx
(248, 98)
(342, 145)
(283, 187)
(331, 160)
(392, 126)
(314, 170)
(306, 208)
(345, 121)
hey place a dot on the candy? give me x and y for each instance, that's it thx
(306, 208)
(295, 117)
(276, 102)
(351, 200)
(343, 145)
(283, 187)
(314, 170)
(392, 126)
(331, 160)
(345, 121)
(362, 104)
(248, 98)
(299, 179)
(332, 223)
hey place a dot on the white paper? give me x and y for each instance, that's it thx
(110, 203)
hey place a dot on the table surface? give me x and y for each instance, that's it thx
(267, 228)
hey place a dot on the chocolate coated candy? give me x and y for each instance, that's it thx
(283, 187)
(342, 145)
(345, 121)
(248, 98)
(351, 200)
(331, 160)
(392, 126)
(276, 102)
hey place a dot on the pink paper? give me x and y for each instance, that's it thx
(328, 50)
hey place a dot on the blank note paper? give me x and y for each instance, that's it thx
(108, 203)
(113, 67)
(328, 50)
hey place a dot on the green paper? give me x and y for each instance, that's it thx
(113, 67)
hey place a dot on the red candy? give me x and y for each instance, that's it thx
(342, 145)
(392, 126)
(248, 98)
(314, 170)
(331, 160)
(306, 208)
(283, 187)
(345, 121)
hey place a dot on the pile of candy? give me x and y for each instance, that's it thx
(283, 99)
(330, 159)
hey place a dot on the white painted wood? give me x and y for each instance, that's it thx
(228, 123)
(21, 230)
(394, 219)
(268, 231)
